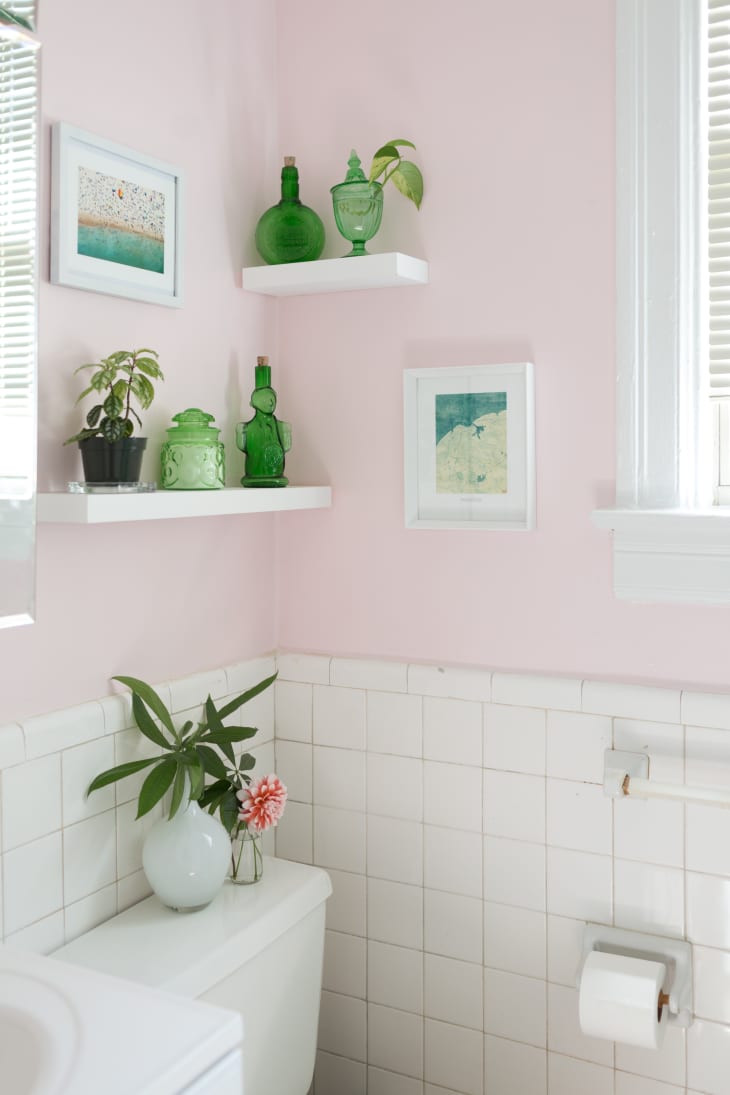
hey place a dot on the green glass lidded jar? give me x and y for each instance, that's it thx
(192, 457)
(289, 231)
(358, 206)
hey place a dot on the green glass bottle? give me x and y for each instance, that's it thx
(289, 231)
(264, 438)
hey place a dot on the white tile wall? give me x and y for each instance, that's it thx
(488, 844)
(461, 818)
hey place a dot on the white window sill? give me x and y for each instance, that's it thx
(670, 555)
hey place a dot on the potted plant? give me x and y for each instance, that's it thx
(109, 452)
(358, 201)
(7, 16)
(186, 854)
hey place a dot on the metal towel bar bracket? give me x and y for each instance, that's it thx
(625, 775)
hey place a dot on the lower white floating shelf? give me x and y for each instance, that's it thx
(64, 508)
(387, 270)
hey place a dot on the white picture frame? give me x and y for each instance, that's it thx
(469, 458)
(116, 219)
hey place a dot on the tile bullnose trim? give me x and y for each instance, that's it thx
(12, 745)
(450, 681)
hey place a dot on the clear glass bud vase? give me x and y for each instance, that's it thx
(247, 857)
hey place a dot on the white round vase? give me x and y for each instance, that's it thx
(186, 859)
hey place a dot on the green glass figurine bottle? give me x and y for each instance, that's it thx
(289, 231)
(264, 438)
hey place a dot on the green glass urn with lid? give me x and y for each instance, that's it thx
(192, 457)
(358, 206)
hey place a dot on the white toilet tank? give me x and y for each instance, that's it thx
(256, 949)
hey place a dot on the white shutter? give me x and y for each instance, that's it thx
(718, 75)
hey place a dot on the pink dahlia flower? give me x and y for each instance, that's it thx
(262, 802)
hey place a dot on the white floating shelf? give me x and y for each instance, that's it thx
(336, 275)
(92, 509)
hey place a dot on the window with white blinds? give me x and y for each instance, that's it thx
(718, 178)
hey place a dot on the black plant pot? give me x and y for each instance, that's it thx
(112, 461)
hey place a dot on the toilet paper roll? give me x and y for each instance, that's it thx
(619, 999)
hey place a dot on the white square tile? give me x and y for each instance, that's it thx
(384, 676)
(708, 757)
(58, 730)
(649, 898)
(579, 885)
(515, 1007)
(343, 1026)
(569, 1076)
(565, 949)
(192, 691)
(579, 816)
(632, 701)
(131, 832)
(452, 861)
(708, 910)
(395, 850)
(452, 681)
(117, 711)
(395, 723)
(381, 1082)
(452, 925)
(339, 778)
(514, 806)
(12, 745)
(708, 840)
(706, 709)
(395, 786)
(395, 1040)
(43, 937)
(452, 730)
(559, 693)
(454, 1057)
(78, 767)
(244, 675)
(514, 873)
(32, 882)
(339, 839)
(453, 991)
(333, 1075)
(294, 769)
(339, 717)
(309, 668)
(347, 906)
(31, 801)
(708, 1057)
(649, 830)
(662, 741)
(84, 915)
(259, 713)
(666, 1065)
(711, 979)
(345, 962)
(512, 1068)
(576, 744)
(395, 977)
(89, 856)
(293, 711)
(131, 745)
(294, 837)
(514, 939)
(132, 889)
(627, 1084)
(452, 796)
(514, 739)
(564, 1033)
(395, 913)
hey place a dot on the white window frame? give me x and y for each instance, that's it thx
(669, 542)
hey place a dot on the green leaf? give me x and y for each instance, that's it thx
(82, 435)
(113, 405)
(155, 786)
(382, 159)
(402, 140)
(229, 809)
(94, 415)
(128, 427)
(211, 761)
(149, 366)
(185, 729)
(121, 771)
(214, 792)
(409, 180)
(150, 697)
(9, 17)
(227, 750)
(112, 429)
(247, 762)
(239, 701)
(142, 390)
(213, 719)
(178, 787)
(228, 735)
(147, 725)
(117, 358)
(197, 777)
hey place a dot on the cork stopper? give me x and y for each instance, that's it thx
(263, 373)
(262, 361)
(290, 161)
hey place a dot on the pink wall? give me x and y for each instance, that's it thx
(512, 109)
(158, 599)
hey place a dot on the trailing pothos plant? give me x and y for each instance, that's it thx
(188, 753)
(402, 173)
(124, 375)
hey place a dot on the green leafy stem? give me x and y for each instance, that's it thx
(405, 175)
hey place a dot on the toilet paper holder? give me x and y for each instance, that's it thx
(676, 954)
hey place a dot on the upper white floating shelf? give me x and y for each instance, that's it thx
(336, 275)
(93, 509)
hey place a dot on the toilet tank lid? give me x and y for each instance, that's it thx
(188, 953)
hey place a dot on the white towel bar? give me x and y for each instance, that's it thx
(625, 775)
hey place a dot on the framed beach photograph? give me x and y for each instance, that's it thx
(116, 219)
(470, 447)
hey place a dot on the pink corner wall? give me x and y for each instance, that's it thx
(155, 599)
(512, 109)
